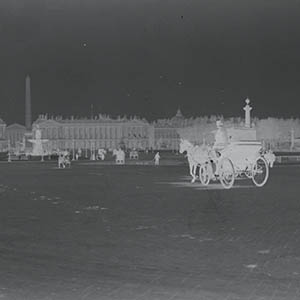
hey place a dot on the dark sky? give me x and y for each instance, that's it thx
(148, 57)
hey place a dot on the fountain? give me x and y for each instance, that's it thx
(37, 147)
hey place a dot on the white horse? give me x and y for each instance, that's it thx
(120, 156)
(68, 161)
(196, 156)
(270, 158)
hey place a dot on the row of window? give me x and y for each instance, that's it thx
(167, 135)
(92, 132)
(93, 145)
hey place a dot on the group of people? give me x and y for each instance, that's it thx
(120, 156)
(64, 157)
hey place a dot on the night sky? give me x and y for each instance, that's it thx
(149, 57)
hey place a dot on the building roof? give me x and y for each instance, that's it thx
(1, 121)
(15, 126)
(179, 114)
(102, 119)
(177, 121)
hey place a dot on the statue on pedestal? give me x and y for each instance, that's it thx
(247, 110)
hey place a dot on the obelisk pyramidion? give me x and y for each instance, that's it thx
(27, 104)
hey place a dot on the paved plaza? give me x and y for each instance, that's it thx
(143, 232)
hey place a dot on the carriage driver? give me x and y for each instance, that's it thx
(221, 141)
(221, 137)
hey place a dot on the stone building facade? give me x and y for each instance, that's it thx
(92, 134)
(166, 132)
(106, 132)
(163, 134)
(2, 129)
(14, 133)
(3, 141)
(110, 133)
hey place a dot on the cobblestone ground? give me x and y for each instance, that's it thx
(140, 232)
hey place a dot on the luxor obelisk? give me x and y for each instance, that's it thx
(33, 137)
(28, 119)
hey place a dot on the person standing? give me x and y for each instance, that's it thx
(221, 137)
(221, 141)
(156, 159)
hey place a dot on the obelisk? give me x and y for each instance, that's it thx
(27, 104)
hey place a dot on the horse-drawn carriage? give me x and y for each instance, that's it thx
(133, 154)
(120, 156)
(238, 159)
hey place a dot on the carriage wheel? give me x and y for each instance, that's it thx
(226, 173)
(260, 172)
(204, 174)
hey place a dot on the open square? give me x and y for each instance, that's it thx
(143, 232)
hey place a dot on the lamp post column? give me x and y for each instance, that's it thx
(8, 147)
(73, 158)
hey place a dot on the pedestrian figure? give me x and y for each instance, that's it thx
(221, 137)
(67, 161)
(156, 159)
(61, 161)
(221, 142)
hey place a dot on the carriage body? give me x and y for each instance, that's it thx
(134, 154)
(243, 155)
(120, 156)
(238, 159)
